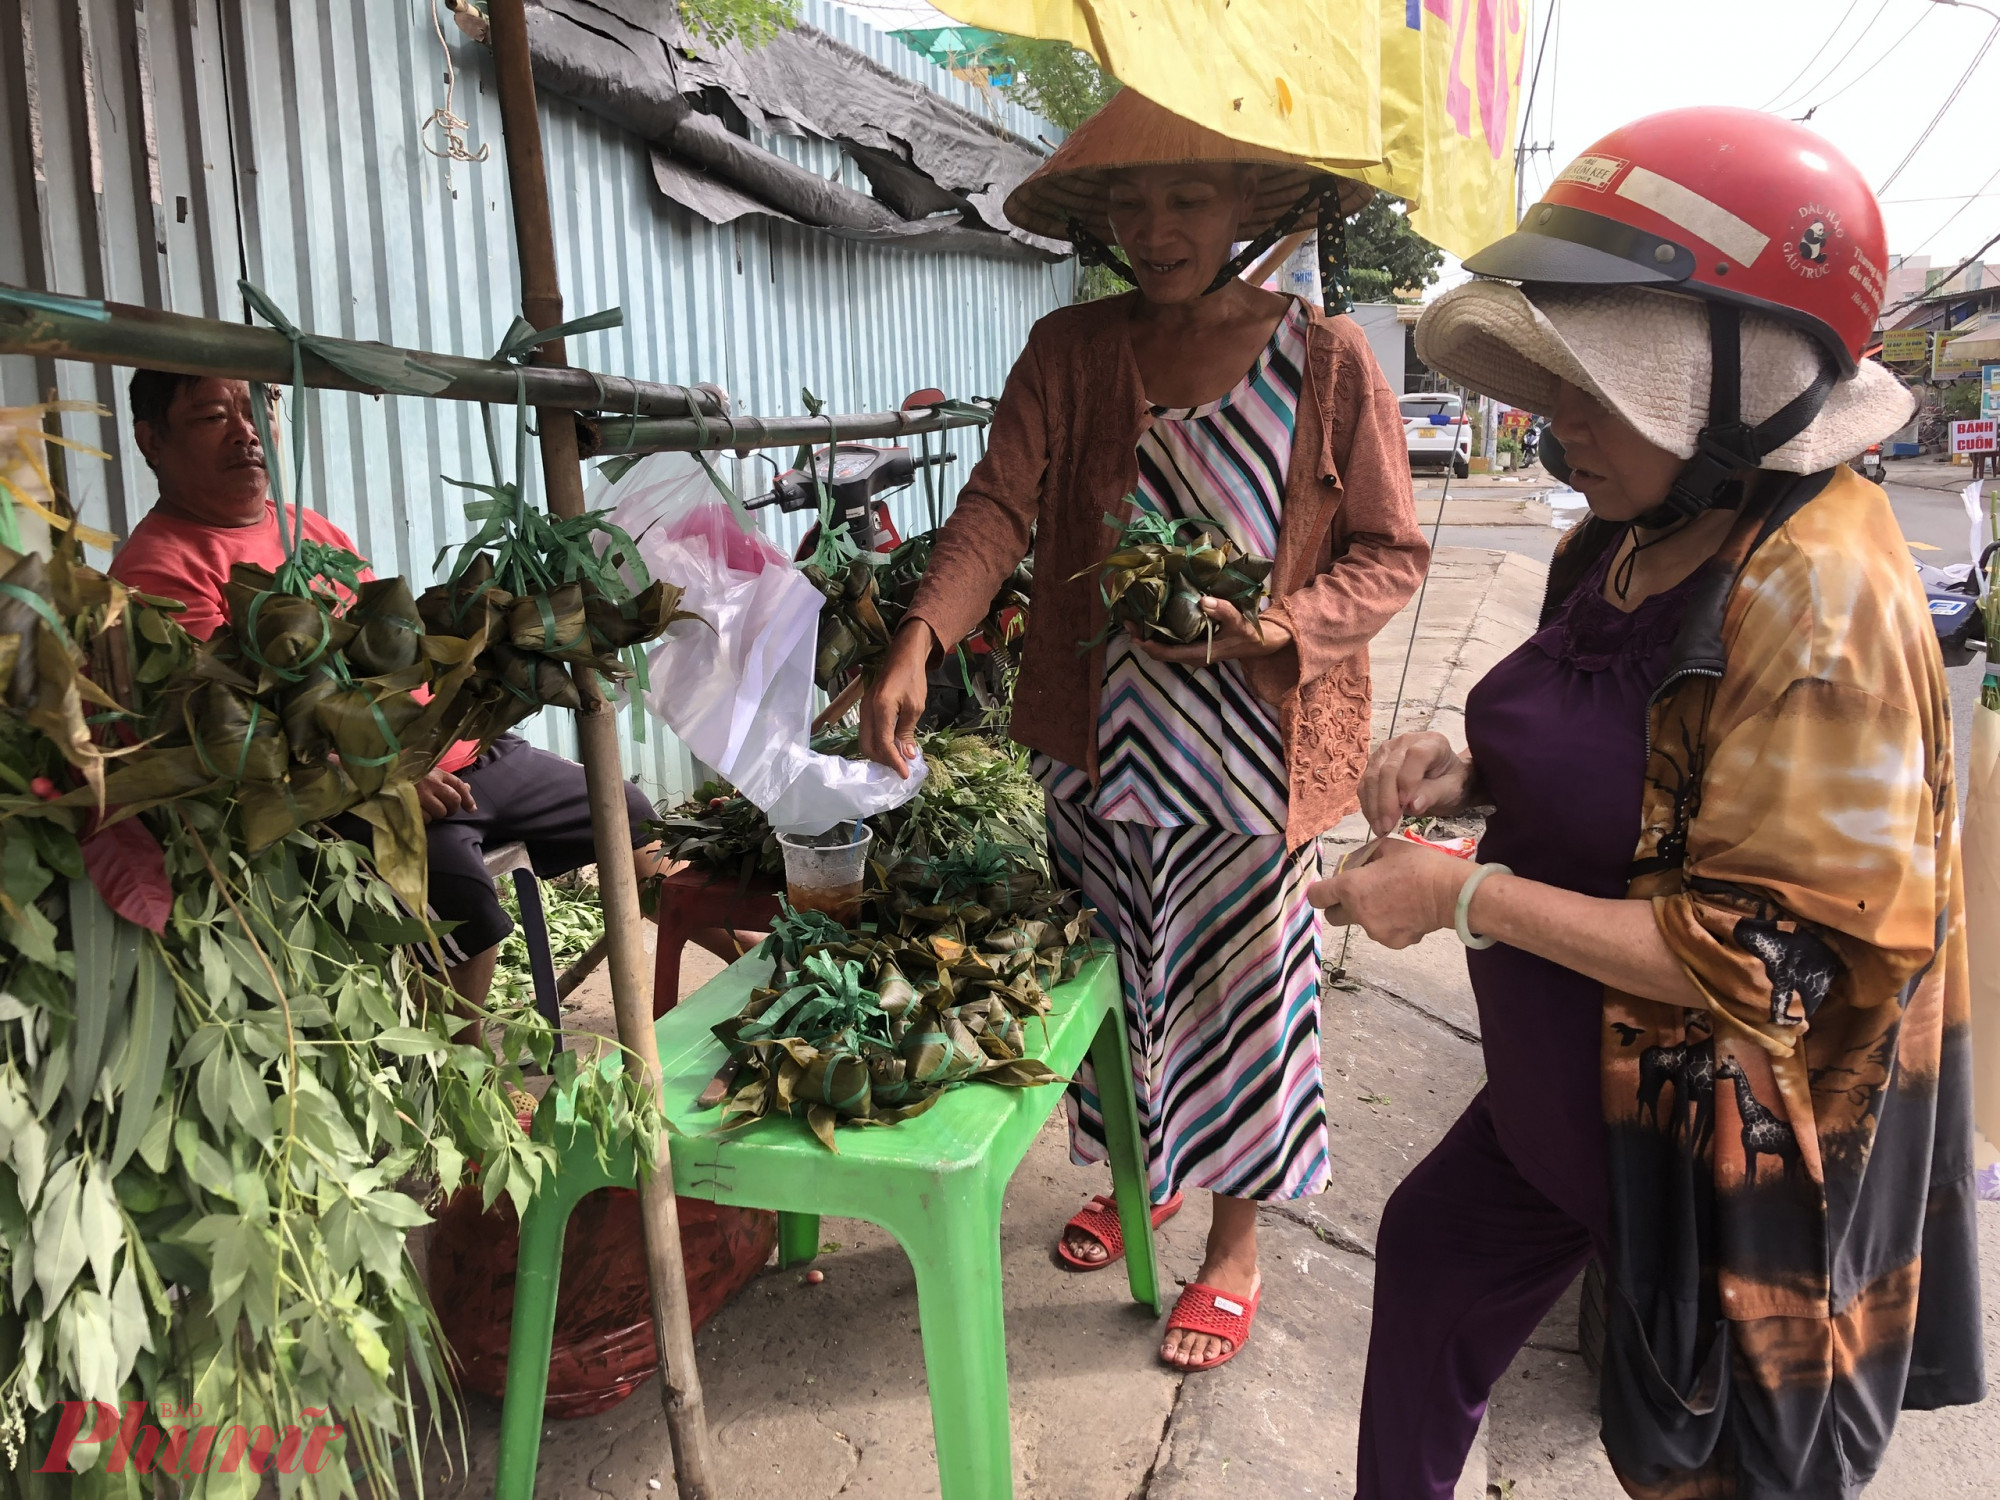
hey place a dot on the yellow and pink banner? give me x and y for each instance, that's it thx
(1418, 97)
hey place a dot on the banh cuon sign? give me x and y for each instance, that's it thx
(1977, 436)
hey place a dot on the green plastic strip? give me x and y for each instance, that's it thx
(88, 308)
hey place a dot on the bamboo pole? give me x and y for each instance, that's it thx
(50, 325)
(684, 434)
(597, 735)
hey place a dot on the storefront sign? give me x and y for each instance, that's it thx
(1944, 366)
(1989, 393)
(1982, 436)
(1906, 347)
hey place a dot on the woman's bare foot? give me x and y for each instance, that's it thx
(1085, 1246)
(1229, 1266)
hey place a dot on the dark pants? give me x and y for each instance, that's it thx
(1470, 1258)
(525, 796)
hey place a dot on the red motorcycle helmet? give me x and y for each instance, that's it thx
(1729, 204)
(1741, 209)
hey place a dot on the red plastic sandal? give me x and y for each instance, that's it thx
(1205, 1309)
(1099, 1219)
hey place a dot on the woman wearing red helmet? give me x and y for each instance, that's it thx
(1715, 932)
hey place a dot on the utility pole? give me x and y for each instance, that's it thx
(1523, 149)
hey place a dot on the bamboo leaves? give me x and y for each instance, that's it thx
(146, 1057)
(23, 1141)
(104, 946)
(57, 1228)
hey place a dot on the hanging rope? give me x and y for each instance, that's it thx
(448, 124)
(1339, 969)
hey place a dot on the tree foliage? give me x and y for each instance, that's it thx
(751, 22)
(1386, 255)
(1059, 83)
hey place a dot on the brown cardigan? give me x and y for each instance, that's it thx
(1063, 452)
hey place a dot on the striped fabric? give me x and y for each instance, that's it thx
(1218, 953)
(1185, 745)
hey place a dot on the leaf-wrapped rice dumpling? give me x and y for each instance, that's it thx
(635, 621)
(551, 624)
(533, 679)
(388, 633)
(365, 723)
(282, 633)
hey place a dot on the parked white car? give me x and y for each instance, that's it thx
(1436, 432)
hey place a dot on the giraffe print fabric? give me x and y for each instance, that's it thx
(1791, 1161)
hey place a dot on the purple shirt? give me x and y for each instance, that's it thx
(1558, 733)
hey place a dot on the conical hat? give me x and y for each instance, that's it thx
(1133, 131)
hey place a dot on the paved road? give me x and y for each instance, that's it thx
(1927, 505)
(1937, 517)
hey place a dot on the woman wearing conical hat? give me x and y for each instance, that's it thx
(1187, 785)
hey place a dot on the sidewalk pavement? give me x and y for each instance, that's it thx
(1929, 472)
(818, 1391)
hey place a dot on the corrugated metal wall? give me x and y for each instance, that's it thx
(158, 149)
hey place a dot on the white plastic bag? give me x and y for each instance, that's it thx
(737, 686)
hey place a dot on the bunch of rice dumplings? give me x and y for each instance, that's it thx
(540, 622)
(870, 1027)
(866, 602)
(1155, 580)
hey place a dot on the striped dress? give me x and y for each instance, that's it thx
(1181, 847)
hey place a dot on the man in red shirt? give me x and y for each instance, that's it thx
(215, 510)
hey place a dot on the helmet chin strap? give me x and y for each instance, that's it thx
(1727, 445)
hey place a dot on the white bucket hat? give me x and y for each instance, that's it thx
(1644, 354)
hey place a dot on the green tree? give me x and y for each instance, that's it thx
(1059, 83)
(1385, 255)
(751, 22)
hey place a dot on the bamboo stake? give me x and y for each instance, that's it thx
(685, 435)
(597, 735)
(50, 325)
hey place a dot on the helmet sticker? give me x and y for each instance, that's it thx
(1594, 172)
(1816, 233)
(1702, 217)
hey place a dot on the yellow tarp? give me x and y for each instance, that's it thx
(1421, 95)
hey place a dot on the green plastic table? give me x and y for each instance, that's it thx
(934, 1182)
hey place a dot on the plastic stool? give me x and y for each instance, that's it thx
(692, 899)
(512, 859)
(936, 1183)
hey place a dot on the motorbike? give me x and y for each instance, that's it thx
(855, 475)
(1869, 464)
(1953, 593)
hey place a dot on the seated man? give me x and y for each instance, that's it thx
(215, 510)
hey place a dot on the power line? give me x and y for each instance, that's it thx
(1814, 58)
(1939, 281)
(1949, 99)
(1522, 149)
(1872, 65)
(1835, 66)
(1971, 198)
